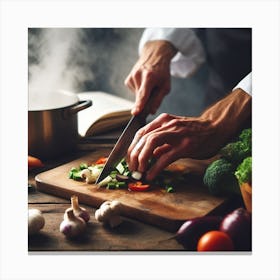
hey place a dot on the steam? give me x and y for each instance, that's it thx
(57, 60)
(81, 59)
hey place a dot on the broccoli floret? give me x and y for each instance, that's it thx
(243, 172)
(219, 178)
(236, 151)
(246, 137)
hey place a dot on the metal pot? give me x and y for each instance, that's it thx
(53, 123)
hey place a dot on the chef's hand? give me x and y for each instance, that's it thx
(151, 73)
(170, 137)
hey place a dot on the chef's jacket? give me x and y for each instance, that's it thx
(192, 53)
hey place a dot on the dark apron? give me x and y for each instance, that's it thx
(229, 58)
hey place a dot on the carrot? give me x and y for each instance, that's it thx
(34, 162)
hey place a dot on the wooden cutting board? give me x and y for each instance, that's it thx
(156, 207)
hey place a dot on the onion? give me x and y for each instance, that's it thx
(238, 225)
(191, 230)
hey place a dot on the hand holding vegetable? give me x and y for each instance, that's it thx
(170, 137)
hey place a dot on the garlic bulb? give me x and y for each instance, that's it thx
(36, 221)
(72, 225)
(78, 210)
(108, 213)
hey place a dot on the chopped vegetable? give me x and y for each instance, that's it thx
(121, 177)
(136, 175)
(75, 174)
(169, 189)
(101, 160)
(138, 186)
(105, 181)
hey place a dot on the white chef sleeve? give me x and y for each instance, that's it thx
(246, 84)
(190, 50)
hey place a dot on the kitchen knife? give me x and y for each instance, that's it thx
(124, 141)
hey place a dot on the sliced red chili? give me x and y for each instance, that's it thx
(101, 160)
(138, 186)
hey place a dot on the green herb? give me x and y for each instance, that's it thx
(243, 172)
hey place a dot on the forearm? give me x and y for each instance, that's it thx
(230, 114)
(159, 51)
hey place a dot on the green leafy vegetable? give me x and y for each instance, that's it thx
(243, 172)
(235, 152)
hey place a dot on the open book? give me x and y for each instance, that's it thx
(106, 113)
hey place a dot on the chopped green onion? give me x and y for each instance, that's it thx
(169, 189)
(111, 185)
(120, 168)
(121, 184)
(83, 166)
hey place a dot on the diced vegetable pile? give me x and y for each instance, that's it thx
(121, 177)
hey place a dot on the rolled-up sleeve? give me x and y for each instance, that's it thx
(245, 84)
(190, 53)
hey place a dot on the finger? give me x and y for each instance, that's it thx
(161, 163)
(144, 91)
(133, 163)
(159, 96)
(159, 151)
(151, 143)
(129, 82)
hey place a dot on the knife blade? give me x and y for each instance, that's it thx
(124, 141)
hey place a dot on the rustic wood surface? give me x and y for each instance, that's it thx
(157, 207)
(131, 235)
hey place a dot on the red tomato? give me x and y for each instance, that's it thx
(138, 186)
(101, 160)
(215, 240)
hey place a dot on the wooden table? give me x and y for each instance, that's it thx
(131, 235)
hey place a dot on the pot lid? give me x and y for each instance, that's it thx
(39, 100)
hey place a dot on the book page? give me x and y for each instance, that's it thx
(103, 104)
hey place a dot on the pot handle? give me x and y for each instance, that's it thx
(80, 106)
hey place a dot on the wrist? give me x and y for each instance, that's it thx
(159, 50)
